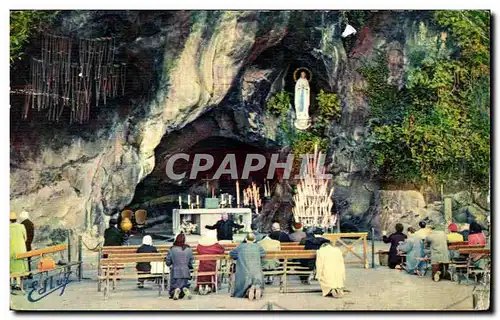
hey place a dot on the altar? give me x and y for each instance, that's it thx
(203, 217)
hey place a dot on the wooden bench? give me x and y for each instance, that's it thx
(41, 253)
(113, 262)
(466, 267)
(285, 246)
(111, 265)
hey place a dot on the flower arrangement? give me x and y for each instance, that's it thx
(187, 227)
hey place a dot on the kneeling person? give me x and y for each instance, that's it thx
(249, 279)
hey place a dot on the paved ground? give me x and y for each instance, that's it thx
(370, 289)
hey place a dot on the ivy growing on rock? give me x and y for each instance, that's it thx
(279, 104)
(436, 129)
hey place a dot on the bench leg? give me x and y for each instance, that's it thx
(216, 283)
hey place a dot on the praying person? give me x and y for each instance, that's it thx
(180, 260)
(412, 247)
(394, 239)
(423, 231)
(310, 242)
(225, 227)
(277, 234)
(30, 234)
(249, 279)
(145, 267)
(297, 235)
(476, 237)
(207, 245)
(17, 245)
(268, 265)
(113, 236)
(464, 231)
(439, 252)
(454, 236)
(330, 270)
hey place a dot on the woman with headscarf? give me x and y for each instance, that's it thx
(454, 236)
(249, 278)
(394, 239)
(330, 270)
(145, 267)
(180, 260)
(17, 245)
(476, 237)
(207, 245)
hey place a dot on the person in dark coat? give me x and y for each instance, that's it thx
(310, 242)
(224, 228)
(277, 234)
(145, 267)
(180, 259)
(30, 234)
(394, 239)
(113, 236)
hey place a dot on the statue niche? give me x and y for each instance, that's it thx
(302, 77)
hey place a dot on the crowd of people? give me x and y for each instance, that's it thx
(428, 243)
(250, 263)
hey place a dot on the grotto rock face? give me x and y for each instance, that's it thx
(208, 73)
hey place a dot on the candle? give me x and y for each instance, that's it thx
(238, 193)
(189, 200)
(230, 200)
(213, 192)
(197, 200)
(180, 201)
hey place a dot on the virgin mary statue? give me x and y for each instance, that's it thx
(302, 100)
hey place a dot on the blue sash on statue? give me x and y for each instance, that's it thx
(301, 100)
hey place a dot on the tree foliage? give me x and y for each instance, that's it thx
(435, 129)
(24, 24)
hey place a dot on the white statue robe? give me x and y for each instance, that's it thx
(302, 98)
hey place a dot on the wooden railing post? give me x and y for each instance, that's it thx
(80, 259)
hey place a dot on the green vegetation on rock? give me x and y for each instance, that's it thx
(436, 129)
(279, 104)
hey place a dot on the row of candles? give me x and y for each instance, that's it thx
(251, 196)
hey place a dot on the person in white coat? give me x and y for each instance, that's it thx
(330, 270)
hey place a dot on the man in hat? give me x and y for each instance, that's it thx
(297, 235)
(249, 278)
(113, 236)
(30, 234)
(454, 236)
(224, 228)
(17, 245)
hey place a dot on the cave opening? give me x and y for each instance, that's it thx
(158, 194)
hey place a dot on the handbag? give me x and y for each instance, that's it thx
(46, 264)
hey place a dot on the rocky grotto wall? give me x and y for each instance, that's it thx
(209, 73)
